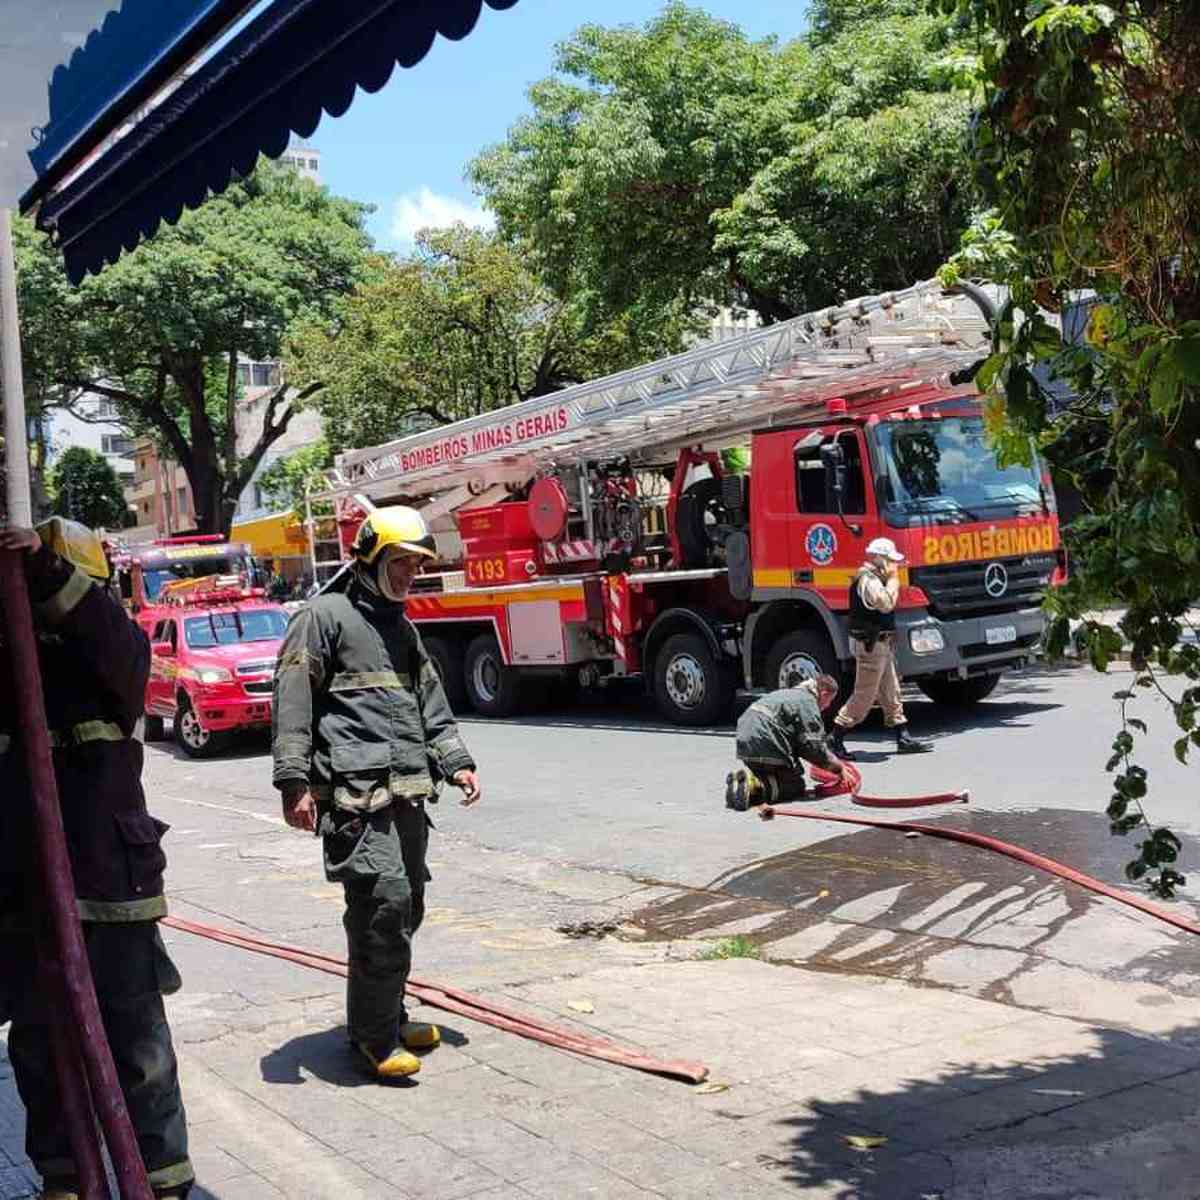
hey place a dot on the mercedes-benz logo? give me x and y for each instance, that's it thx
(995, 580)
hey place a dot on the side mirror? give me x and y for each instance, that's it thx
(162, 649)
(833, 458)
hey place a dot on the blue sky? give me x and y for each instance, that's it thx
(405, 148)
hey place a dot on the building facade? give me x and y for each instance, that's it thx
(94, 425)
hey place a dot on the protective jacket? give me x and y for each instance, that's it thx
(866, 623)
(94, 663)
(359, 712)
(783, 729)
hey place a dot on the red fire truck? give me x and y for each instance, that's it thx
(606, 531)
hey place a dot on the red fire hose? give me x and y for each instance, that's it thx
(85, 1042)
(829, 785)
(477, 1008)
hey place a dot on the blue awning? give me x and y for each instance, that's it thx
(291, 62)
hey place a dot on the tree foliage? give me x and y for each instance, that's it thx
(1086, 145)
(160, 331)
(289, 480)
(460, 327)
(685, 161)
(85, 488)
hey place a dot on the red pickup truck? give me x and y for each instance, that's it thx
(213, 663)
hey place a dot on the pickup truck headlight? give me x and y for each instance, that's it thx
(213, 675)
(926, 640)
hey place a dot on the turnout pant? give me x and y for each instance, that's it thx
(379, 859)
(780, 784)
(875, 679)
(132, 972)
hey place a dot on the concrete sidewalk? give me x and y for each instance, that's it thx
(974, 1099)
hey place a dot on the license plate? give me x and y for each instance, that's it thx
(1001, 635)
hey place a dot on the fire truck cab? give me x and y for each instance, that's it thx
(213, 645)
(616, 528)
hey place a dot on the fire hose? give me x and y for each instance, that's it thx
(450, 999)
(830, 785)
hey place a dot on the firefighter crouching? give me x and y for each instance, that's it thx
(776, 736)
(94, 664)
(363, 735)
(872, 624)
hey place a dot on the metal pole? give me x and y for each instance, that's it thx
(16, 447)
(312, 534)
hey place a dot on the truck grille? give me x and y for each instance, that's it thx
(959, 589)
(261, 667)
(260, 688)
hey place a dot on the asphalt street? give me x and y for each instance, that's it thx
(606, 793)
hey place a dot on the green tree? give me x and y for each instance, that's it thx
(291, 478)
(85, 488)
(460, 327)
(160, 331)
(685, 162)
(1086, 144)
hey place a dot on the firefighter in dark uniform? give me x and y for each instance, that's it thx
(776, 736)
(94, 664)
(363, 737)
(872, 629)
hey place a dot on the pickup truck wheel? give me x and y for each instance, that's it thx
(493, 689)
(154, 730)
(959, 693)
(691, 685)
(194, 740)
(447, 660)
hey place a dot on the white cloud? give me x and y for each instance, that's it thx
(424, 209)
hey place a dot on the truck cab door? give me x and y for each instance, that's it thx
(826, 547)
(160, 688)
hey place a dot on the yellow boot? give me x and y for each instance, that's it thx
(417, 1035)
(394, 1065)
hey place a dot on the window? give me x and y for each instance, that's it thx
(855, 499)
(237, 625)
(243, 374)
(106, 408)
(181, 500)
(810, 479)
(312, 164)
(265, 374)
(116, 443)
(164, 631)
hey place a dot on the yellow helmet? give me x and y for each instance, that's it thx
(76, 544)
(396, 527)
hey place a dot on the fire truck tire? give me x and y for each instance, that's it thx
(691, 685)
(447, 659)
(154, 730)
(194, 740)
(493, 689)
(959, 693)
(799, 655)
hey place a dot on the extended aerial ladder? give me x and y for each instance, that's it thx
(716, 394)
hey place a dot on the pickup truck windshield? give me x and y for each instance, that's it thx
(227, 628)
(944, 471)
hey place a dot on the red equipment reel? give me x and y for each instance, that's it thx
(548, 508)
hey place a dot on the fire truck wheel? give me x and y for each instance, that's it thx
(154, 730)
(691, 686)
(492, 688)
(447, 659)
(800, 655)
(959, 693)
(194, 740)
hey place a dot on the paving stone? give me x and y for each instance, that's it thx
(585, 1181)
(422, 1167)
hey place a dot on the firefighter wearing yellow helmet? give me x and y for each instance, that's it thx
(363, 738)
(94, 663)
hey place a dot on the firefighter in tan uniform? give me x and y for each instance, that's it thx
(872, 625)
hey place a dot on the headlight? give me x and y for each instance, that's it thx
(926, 640)
(213, 675)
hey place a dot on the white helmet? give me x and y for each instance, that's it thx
(884, 548)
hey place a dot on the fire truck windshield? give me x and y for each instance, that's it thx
(154, 577)
(238, 625)
(944, 470)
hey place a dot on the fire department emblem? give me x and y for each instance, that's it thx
(821, 544)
